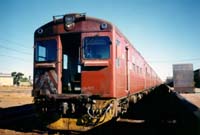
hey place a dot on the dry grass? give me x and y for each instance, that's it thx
(15, 96)
(15, 88)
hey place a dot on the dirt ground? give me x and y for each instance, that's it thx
(192, 98)
(12, 132)
(15, 96)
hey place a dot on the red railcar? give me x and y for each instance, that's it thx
(86, 72)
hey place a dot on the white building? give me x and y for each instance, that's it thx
(6, 79)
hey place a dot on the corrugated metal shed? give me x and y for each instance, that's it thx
(183, 78)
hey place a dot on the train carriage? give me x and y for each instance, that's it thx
(86, 72)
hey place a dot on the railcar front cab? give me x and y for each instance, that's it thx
(78, 52)
(69, 63)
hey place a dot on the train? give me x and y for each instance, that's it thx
(86, 73)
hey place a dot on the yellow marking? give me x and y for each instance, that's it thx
(85, 122)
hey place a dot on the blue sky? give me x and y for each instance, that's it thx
(165, 32)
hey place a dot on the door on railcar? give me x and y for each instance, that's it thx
(46, 74)
(71, 69)
(127, 70)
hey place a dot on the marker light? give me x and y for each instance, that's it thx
(40, 31)
(103, 26)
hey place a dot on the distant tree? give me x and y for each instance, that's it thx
(13, 74)
(17, 77)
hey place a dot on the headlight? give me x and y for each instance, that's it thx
(69, 19)
(69, 22)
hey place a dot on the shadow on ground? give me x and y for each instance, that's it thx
(26, 121)
(159, 113)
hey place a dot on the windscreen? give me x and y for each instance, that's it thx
(96, 47)
(46, 51)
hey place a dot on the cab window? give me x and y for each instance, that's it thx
(96, 47)
(46, 51)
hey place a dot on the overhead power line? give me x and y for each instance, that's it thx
(15, 58)
(15, 50)
(16, 43)
(181, 60)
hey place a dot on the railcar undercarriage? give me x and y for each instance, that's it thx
(75, 112)
(80, 112)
